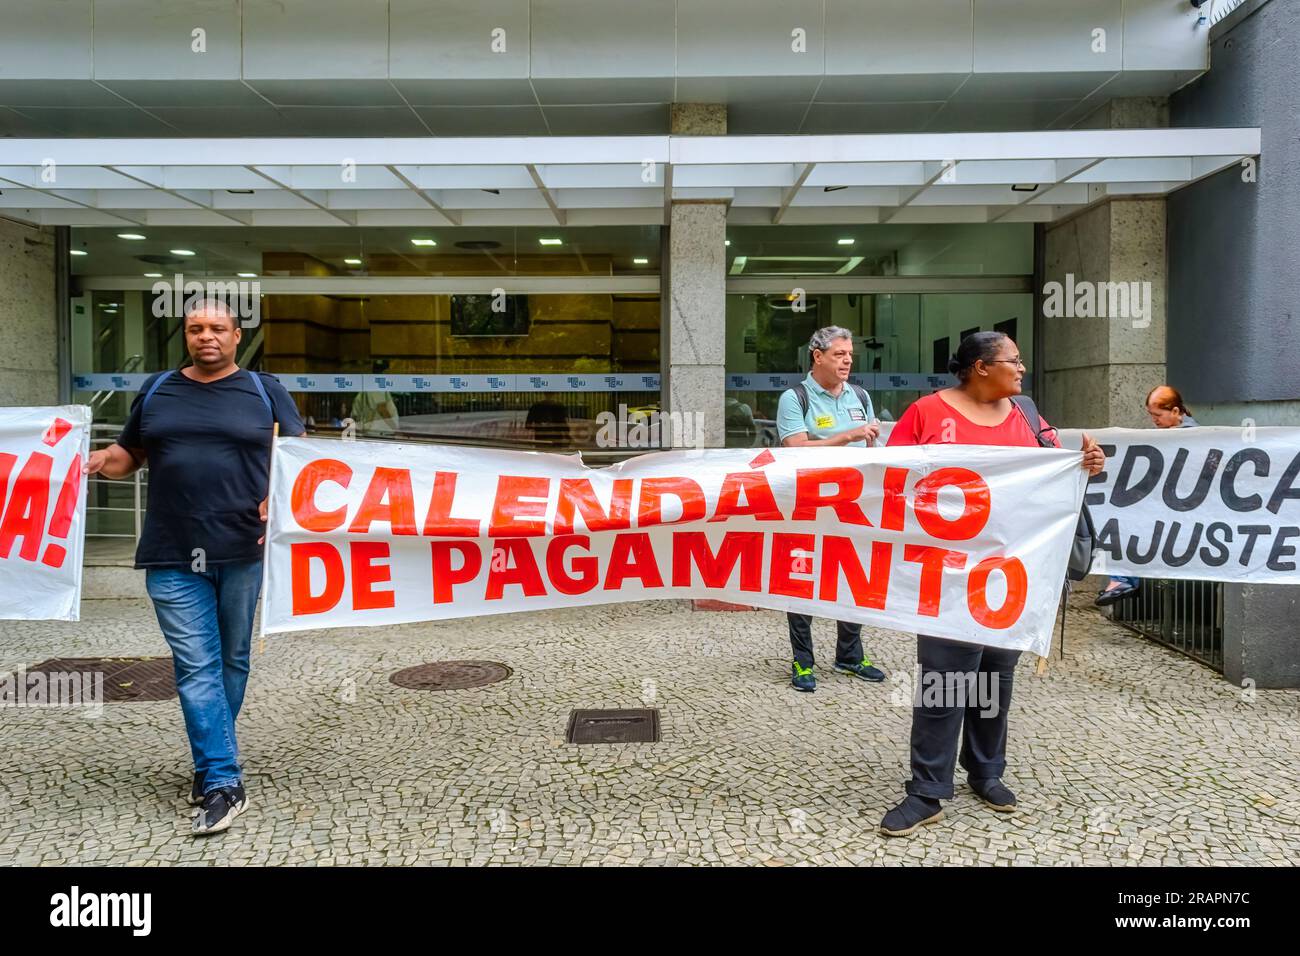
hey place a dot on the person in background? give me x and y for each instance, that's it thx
(1167, 410)
(834, 414)
(375, 412)
(978, 411)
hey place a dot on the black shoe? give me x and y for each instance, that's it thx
(196, 790)
(1112, 595)
(910, 815)
(996, 794)
(219, 809)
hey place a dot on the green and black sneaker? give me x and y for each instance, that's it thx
(802, 678)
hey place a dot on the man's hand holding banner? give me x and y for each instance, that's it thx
(968, 542)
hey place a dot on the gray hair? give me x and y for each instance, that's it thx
(821, 339)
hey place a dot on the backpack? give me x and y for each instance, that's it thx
(1085, 534)
(801, 394)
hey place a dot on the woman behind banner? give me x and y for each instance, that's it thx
(1167, 409)
(978, 411)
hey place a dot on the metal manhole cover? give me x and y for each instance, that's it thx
(451, 675)
(613, 727)
(124, 678)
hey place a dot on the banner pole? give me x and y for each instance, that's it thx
(266, 545)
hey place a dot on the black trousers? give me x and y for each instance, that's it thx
(945, 710)
(848, 646)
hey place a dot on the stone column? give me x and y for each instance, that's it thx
(1097, 371)
(29, 363)
(696, 310)
(695, 353)
(1260, 633)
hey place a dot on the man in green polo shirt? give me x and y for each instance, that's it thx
(825, 411)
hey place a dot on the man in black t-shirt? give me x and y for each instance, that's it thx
(205, 431)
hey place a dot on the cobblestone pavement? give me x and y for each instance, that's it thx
(1124, 753)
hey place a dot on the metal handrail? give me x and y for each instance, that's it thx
(100, 398)
(139, 478)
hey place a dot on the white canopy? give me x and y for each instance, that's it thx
(577, 181)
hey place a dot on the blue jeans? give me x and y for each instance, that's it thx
(1122, 579)
(207, 619)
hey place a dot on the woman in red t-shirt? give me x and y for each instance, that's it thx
(978, 411)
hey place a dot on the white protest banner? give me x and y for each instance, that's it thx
(957, 541)
(42, 511)
(1209, 503)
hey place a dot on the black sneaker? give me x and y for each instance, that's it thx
(219, 809)
(196, 790)
(995, 794)
(910, 815)
(1113, 595)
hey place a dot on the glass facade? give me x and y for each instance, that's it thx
(521, 369)
(902, 342)
(902, 339)
(541, 369)
(379, 251)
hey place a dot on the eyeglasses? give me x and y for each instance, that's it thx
(1015, 361)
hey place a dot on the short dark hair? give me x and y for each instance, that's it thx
(212, 304)
(976, 347)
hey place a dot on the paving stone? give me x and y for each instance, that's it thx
(1122, 754)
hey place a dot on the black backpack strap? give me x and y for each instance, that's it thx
(1030, 412)
(157, 383)
(801, 396)
(261, 391)
(863, 397)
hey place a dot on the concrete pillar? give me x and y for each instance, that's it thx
(29, 363)
(695, 311)
(1097, 371)
(1260, 634)
(698, 119)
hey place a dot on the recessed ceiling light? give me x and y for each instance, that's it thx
(352, 262)
(153, 275)
(181, 252)
(78, 252)
(727, 243)
(640, 262)
(424, 242)
(551, 242)
(129, 235)
(110, 311)
(246, 275)
(844, 242)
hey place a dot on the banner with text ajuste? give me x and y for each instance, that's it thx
(1215, 503)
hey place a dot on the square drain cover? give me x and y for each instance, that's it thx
(125, 678)
(613, 727)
